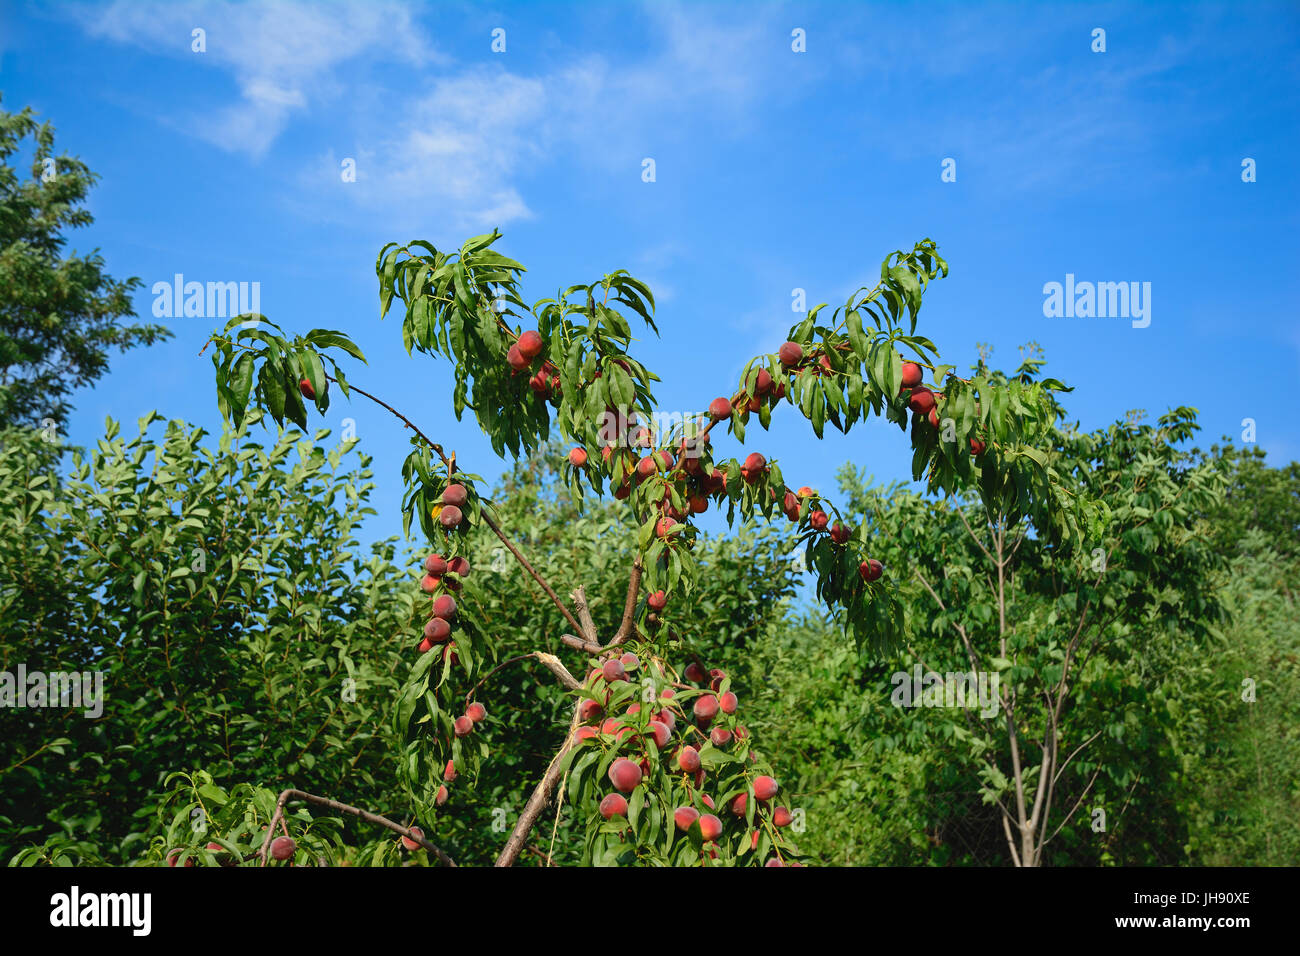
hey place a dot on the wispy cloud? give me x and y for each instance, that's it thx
(281, 55)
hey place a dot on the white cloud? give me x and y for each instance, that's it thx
(281, 54)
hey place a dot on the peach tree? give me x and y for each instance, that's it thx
(656, 760)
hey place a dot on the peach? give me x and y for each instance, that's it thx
(283, 848)
(530, 345)
(870, 570)
(624, 775)
(728, 703)
(719, 409)
(657, 601)
(455, 494)
(710, 827)
(614, 805)
(695, 673)
(410, 844)
(476, 712)
(435, 565)
(450, 517)
(308, 392)
(578, 457)
(790, 354)
(689, 759)
(819, 520)
(911, 375)
(444, 606)
(685, 817)
(463, 725)
(782, 817)
(706, 707)
(765, 788)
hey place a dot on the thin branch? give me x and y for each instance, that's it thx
(344, 808)
(579, 598)
(629, 605)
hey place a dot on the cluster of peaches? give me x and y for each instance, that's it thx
(678, 738)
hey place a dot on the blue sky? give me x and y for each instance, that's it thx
(775, 170)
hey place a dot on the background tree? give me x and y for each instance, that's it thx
(60, 314)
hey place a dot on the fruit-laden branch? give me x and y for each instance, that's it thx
(413, 835)
(487, 518)
(540, 797)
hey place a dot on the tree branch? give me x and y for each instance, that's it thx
(343, 808)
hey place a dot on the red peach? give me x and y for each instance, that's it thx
(728, 703)
(308, 392)
(578, 457)
(706, 707)
(782, 817)
(530, 345)
(476, 712)
(685, 817)
(463, 726)
(410, 844)
(450, 517)
(444, 606)
(839, 533)
(738, 804)
(283, 848)
(449, 772)
(689, 760)
(435, 565)
(911, 375)
(695, 673)
(614, 805)
(719, 409)
(441, 798)
(455, 494)
(720, 736)
(790, 354)
(819, 520)
(657, 601)
(710, 827)
(624, 775)
(765, 788)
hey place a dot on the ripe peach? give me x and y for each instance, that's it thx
(912, 375)
(444, 606)
(308, 392)
(664, 527)
(695, 673)
(424, 646)
(630, 660)
(818, 520)
(463, 726)
(455, 494)
(710, 827)
(586, 733)
(614, 805)
(435, 565)
(657, 601)
(646, 466)
(450, 517)
(624, 775)
(753, 468)
(706, 707)
(839, 533)
(429, 584)
(790, 354)
(283, 848)
(933, 418)
(661, 733)
(922, 401)
(589, 709)
(698, 504)
(720, 736)
(614, 670)
(738, 804)
(765, 788)
(410, 844)
(458, 566)
(449, 772)
(977, 447)
(530, 345)
(476, 712)
(728, 703)
(689, 759)
(578, 457)
(441, 798)
(762, 384)
(870, 570)
(782, 817)
(773, 861)
(719, 409)
(790, 505)
(685, 817)
(436, 630)
(517, 359)
(716, 677)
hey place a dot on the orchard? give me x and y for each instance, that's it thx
(656, 763)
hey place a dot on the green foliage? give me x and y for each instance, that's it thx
(60, 315)
(222, 594)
